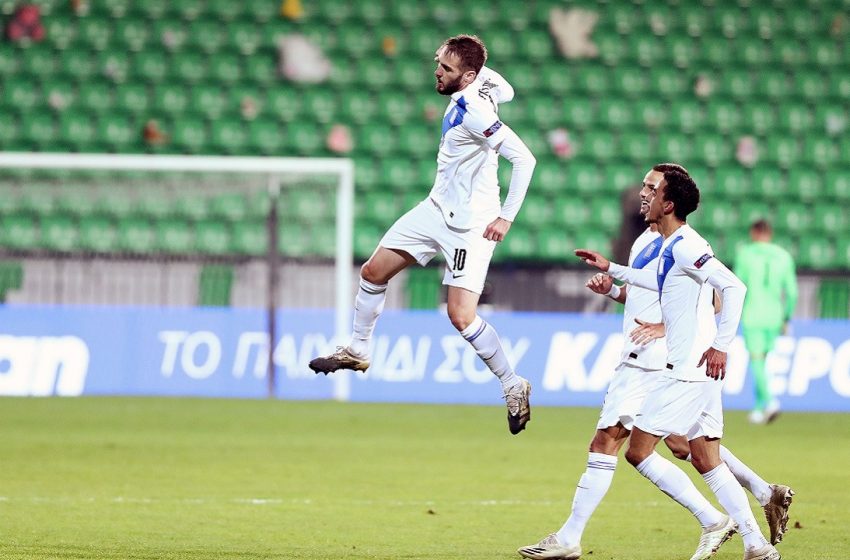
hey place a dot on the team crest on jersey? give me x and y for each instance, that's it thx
(702, 260)
(493, 129)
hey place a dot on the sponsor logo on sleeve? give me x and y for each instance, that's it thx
(493, 129)
(702, 260)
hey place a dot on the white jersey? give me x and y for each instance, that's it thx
(686, 278)
(466, 188)
(643, 304)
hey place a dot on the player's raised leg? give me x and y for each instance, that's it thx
(375, 274)
(462, 309)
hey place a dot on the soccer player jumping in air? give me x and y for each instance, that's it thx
(462, 217)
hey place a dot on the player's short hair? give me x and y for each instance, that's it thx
(665, 167)
(761, 226)
(682, 191)
(469, 49)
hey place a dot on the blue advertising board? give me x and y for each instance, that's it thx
(417, 357)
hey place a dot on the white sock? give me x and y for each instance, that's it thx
(592, 486)
(746, 477)
(731, 496)
(368, 305)
(485, 340)
(675, 483)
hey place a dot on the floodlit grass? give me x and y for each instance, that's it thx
(202, 479)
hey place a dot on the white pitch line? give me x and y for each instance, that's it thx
(272, 501)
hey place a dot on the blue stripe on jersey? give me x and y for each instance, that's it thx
(665, 264)
(648, 253)
(455, 116)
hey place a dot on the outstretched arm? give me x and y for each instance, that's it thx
(514, 150)
(639, 277)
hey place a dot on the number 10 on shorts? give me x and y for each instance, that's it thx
(459, 260)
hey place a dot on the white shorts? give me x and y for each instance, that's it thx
(422, 231)
(625, 395)
(686, 408)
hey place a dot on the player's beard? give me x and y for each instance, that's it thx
(449, 87)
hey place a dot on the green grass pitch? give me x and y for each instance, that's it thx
(132, 478)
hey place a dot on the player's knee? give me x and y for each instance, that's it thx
(602, 443)
(635, 456)
(461, 318)
(369, 273)
(681, 454)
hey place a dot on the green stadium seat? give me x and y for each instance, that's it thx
(823, 52)
(208, 100)
(98, 235)
(730, 21)
(187, 9)
(20, 232)
(683, 50)
(688, 114)
(266, 137)
(283, 103)
(367, 176)
(647, 50)
(593, 79)
(226, 68)
(731, 182)
(242, 36)
(150, 65)
(572, 214)
(304, 138)
(723, 115)
(398, 174)
(261, 10)
(793, 219)
(131, 33)
(804, 184)
(377, 139)
(22, 95)
(117, 131)
(607, 214)
(619, 177)
(174, 237)
(549, 177)
(783, 151)
(61, 32)
(837, 184)
(229, 207)
(716, 51)
(772, 84)
(830, 219)
(768, 184)
(616, 114)
(675, 147)
(250, 238)
(753, 52)
(535, 46)
(224, 10)
(713, 149)
(737, 84)
(553, 244)
(820, 151)
(368, 12)
(94, 33)
(10, 133)
(556, 79)
(96, 96)
(113, 65)
(758, 118)
(10, 60)
(213, 238)
(76, 64)
(38, 60)
(152, 9)
(190, 134)
(544, 113)
(38, 129)
(810, 86)
(132, 98)
(638, 147)
(418, 141)
(77, 129)
(170, 34)
(600, 145)
(191, 208)
(356, 107)
(188, 67)
(537, 209)
(766, 20)
(58, 93)
(59, 233)
(229, 135)
(816, 254)
(518, 245)
(171, 99)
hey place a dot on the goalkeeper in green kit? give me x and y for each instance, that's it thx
(768, 272)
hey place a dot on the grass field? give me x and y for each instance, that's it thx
(203, 479)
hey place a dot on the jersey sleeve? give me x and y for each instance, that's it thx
(483, 124)
(696, 259)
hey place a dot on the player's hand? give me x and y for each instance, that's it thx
(497, 229)
(715, 363)
(593, 259)
(647, 332)
(600, 283)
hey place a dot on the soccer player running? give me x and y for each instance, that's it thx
(462, 217)
(643, 359)
(686, 398)
(768, 272)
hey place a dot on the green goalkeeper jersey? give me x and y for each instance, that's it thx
(768, 272)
